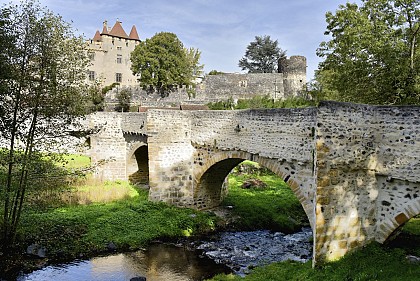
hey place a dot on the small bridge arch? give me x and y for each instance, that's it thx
(137, 155)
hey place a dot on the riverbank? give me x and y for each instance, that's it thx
(396, 260)
(82, 231)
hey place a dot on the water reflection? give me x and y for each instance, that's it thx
(158, 263)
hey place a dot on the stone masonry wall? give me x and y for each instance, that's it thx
(367, 175)
(108, 146)
(283, 136)
(170, 157)
(215, 88)
(182, 151)
(398, 167)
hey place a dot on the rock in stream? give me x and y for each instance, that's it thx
(241, 251)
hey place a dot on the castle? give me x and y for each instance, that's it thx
(109, 52)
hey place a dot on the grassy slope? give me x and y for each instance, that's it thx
(130, 223)
(374, 262)
(274, 207)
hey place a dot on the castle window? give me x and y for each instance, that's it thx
(119, 58)
(91, 75)
(119, 48)
(118, 77)
(91, 56)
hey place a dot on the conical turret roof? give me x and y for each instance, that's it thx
(133, 33)
(118, 31)
(97, 36)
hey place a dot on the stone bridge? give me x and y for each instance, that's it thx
(354, 168)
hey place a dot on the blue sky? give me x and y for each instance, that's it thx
(220, 29)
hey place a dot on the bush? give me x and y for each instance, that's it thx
(259, 102)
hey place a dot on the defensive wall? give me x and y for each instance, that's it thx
(290, 82)
(354, 168)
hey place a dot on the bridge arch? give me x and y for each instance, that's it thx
(392, 223)
(138, 163)
(209, 178)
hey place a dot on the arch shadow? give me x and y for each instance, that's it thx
(138, 164)
(391, 226)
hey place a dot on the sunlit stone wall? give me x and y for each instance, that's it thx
(108, 146)
(368, 161)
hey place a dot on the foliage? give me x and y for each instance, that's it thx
(43, 92)
(275, 207)
(193, 57)
(261, 102)
(96, 100)
(373, 55)
(215, 72)
(262, 55)
(124, 99)
(108, 88)
(163, 63)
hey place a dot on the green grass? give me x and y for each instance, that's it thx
(74, 161)
(275, 207)
(413, 226)
(71, 231)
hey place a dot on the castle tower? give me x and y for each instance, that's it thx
(294, 74)
(110, 52)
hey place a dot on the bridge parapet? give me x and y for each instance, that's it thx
(134, 123)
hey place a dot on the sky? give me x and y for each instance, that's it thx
(220, 29)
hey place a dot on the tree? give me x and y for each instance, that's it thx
(163, 63)
(373, 54)
(193, 58)
(215, 72)
(124, 99)
(43, 91)
(96, 100)
(262, 55)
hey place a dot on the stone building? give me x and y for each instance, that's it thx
(289, 82)
(109, 52)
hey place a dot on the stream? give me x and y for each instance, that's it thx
(224, 252)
